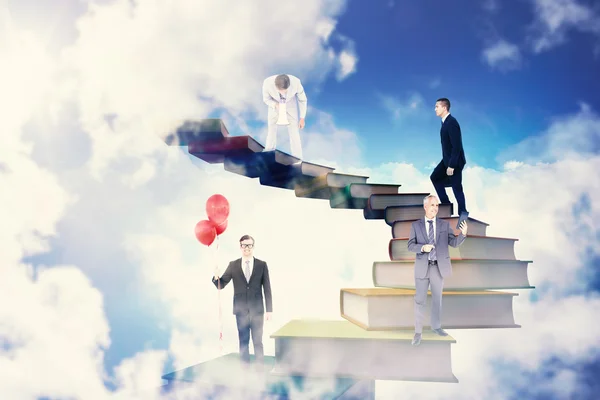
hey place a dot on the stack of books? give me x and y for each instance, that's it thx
(372, 340)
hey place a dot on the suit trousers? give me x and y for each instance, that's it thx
(435, 279)
(293, 130)
(250, 324)
(440, 180)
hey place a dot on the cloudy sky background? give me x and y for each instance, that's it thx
(104, 286)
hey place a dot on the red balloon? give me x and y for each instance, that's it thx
(221, 227)
(205, 232)
(217, 208)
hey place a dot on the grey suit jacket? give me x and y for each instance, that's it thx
(445, 237)
(248, 296)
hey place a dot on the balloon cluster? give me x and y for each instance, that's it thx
(217, 210)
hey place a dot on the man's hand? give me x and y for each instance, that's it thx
(463, 228)
(450, 171)
(427, 248)
(301, 123)
(268, 315)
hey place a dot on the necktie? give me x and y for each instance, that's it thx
(432, 255)
(248, 271)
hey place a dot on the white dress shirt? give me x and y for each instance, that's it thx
(444, 118)
(251, 259)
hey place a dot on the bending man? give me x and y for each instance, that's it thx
(286, 89)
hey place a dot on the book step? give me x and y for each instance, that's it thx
(274, 168)
(390, 309)
(474, 247)
(321, 348)
(214, 151)
(377, 203)
(401, 229)
(356, 195)
(413, 212)
(196, 131)
(467, 274)
(324, 186)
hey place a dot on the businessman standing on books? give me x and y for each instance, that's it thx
(429, 239)
(250, 277)
(449, 170)
(278, 89)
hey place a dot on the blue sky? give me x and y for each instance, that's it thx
(105, 212)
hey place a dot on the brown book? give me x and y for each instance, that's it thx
(475, 247)
(318, 348)
(413, 212)
(401, 229)
(466, 274)
(389, 309)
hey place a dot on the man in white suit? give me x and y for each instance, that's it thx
(285, 89)
(429, 239)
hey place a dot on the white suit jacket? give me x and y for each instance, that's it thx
(296, 90)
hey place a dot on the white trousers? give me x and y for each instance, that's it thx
(293, 130)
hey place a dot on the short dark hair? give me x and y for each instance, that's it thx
(282, 82)
(445, 102)
(246, 237)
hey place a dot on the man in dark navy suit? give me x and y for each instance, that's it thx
(449, 171)
(250, 276)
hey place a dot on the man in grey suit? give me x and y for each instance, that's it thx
(429, 239)
(248, 307)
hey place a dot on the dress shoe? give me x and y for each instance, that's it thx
(417, 339)
(440, 332)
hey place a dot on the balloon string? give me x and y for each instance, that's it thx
(219, 302)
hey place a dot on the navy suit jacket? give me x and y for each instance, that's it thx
(248, 296)
(452, 148)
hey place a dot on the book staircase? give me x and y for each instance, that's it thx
(373, 341)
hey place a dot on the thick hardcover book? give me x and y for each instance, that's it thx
(324, 348)
(389, 309)
(356, 195)
(476, 247)
(401, 229)
(377, 203)
(413, 212)
(325, 186)
(466, 274)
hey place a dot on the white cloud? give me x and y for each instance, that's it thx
(152, 65)
(490, 5)
(309, 247)
(399, 109)
(347, 60)
(435, 83)
(502, 55)
(568, 137)
(554, 18)
(347, 65)
(52, 322)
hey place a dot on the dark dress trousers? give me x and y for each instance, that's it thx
(453, 156)
(248, 304)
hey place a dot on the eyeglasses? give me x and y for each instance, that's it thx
(246, 246)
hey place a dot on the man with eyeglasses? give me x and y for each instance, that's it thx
(250, 277)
